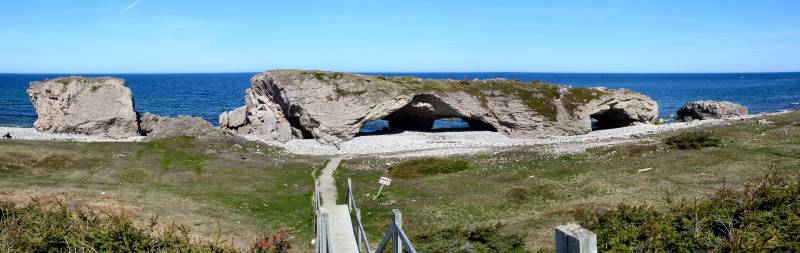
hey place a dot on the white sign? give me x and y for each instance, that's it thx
(385, 181)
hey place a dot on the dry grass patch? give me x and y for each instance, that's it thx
(238, 191)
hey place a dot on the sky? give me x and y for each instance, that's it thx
(191, 36)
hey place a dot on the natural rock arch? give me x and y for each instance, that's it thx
(423, 110)
(331, 107)
(610, 118)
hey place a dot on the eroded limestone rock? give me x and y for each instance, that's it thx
(97, 106)
(154, 126)
(709, 109)
(332, 107)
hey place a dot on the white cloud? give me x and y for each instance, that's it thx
(131, 6)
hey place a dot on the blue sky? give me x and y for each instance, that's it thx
(151, 36)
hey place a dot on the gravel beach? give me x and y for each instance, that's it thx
(23, 133)
(411, 143)
(449, 143)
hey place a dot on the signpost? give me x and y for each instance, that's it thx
(383, 181)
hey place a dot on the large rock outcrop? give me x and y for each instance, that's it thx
(155, 126)
(709, 109)
(332, 107)
(97, 106)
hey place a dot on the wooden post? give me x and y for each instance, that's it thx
(349, 192)
(572, 238)
(397, 219)
(379, 193)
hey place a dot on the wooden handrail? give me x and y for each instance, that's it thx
(323, 234)
(358, 228)
(396, 234)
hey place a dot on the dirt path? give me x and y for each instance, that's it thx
(327, 184)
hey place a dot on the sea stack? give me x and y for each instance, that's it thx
(95, 106)
(709, 109)
(331, 107)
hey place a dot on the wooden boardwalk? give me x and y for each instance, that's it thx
(340, 229)
(340, 226)
(335, 230)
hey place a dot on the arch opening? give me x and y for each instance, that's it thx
(425, 113)
(609, 119)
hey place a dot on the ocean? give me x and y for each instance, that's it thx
(207, 95)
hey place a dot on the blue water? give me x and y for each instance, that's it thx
(207, 95)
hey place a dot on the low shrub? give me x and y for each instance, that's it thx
(692, 140)
(640, 149)
(427, 167)
(63, 161)
(277, 242)
(33, 228)
(518, 195)
(475, 239)
(764, 217)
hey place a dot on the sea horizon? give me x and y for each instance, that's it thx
(206, 95)
(401, 72)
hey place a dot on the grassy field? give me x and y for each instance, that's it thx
(232, 191)
(528, 193)
(238, 191)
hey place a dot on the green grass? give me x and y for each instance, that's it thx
(577, 97)
(472, 239)
(529, 192)
(427, 167)
(176, 152)
(240, 191)
(692, 140)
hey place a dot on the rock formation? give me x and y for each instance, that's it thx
(104, 106)
(100, 106)
(331, 107)
(709, 109)
(154, 126)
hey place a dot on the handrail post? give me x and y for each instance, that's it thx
(397, 220)
(572, 238)
(349, 195)
(357, 231)
(363, 237)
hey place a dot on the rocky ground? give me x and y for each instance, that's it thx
(31, 134)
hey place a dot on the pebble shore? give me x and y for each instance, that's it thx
(411, 143)
(448, 143)
(26, 133)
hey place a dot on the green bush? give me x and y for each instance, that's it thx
(692, 140)
(477, 239)
(764, 217)
(427, 167)
(33, 228)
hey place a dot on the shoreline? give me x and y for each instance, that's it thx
(413, 144)
(410, 143)
(31, 134)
